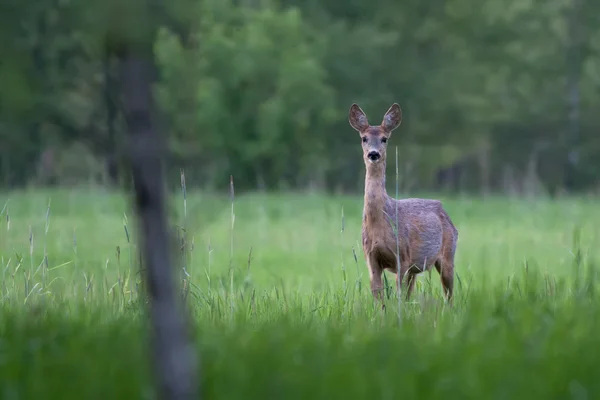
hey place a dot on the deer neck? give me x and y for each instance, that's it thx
(375, 194)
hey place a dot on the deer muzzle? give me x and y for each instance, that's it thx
(374, 156)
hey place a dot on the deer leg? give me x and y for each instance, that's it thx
(411, 278)
(375, 274)
(446, 271)
(400, 278)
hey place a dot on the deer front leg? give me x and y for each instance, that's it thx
(375, 274)
(403, 276)
(411, 278)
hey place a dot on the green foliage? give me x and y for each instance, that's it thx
(254, 83)
(261, 89)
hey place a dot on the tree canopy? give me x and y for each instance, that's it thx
(496, 95)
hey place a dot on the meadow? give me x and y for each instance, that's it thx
(278, 293)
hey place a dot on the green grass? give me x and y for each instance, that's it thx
(300, 322)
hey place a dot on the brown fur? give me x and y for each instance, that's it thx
(426, 235)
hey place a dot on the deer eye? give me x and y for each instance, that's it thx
(384, 140)
(364, 139)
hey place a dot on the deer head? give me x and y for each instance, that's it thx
(374, 138)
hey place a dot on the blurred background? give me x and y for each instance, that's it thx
(497, 96)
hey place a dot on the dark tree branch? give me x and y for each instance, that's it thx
(174, 356)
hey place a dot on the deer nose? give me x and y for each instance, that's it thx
(373, 155)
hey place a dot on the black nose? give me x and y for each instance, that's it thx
(374, 155)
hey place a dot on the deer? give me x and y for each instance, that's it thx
(411, 234)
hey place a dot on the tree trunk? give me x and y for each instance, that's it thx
(174, 356)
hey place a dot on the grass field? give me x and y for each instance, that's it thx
(281, 307)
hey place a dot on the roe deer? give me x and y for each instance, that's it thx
(426, 235)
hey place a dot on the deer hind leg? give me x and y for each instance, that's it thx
(445, 267)
(445, 263)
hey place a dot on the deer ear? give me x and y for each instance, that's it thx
(358, 118)
(392, 118)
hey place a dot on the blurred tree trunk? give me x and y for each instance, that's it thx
(174, 356)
